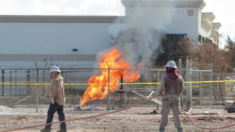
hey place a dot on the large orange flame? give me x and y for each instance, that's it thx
(98, 85)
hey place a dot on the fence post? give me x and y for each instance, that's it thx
(37, 88)
(28, 82)
(180, 72)
(211, 86)
(218, 85)
(108, 89)
(15, 82)
(10, 82)
(200, 88)
(189, 85)
(37, 94)
(158, 76)
(44, 88)
(3, 83)
(33, 87)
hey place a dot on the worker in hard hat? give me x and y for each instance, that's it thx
(57, 99)
(172, 85)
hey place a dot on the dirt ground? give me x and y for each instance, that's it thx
(136, 119)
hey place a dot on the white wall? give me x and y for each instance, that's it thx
(204, 32)
(180, 22)
(53, 38)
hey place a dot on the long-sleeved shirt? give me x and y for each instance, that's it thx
(57, 90)
(171, 87)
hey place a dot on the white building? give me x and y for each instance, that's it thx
(188, 17)
(57, 38)
(73, 39)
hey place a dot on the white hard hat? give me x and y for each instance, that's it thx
(55, 69)
(171, 64)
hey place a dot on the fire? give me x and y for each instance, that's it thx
(98, 85)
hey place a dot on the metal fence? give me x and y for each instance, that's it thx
(20, 86)
(31, 86)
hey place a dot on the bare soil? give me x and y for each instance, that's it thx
(136, 119)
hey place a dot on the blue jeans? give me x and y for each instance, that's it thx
(60, 111)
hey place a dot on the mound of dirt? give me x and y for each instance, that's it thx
(6, 110)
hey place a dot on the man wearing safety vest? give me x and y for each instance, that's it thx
(57, 98)
(172, 85)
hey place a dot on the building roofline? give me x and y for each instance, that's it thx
(215, 33)
(208, 15)
(216, 25)
(160, 3)
(56, 19)
(206, 24)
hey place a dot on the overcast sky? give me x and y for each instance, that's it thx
(223, 9)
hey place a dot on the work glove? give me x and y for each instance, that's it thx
(52, 101)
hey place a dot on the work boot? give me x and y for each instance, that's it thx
(62, 131)
(161, 129)
(180, 129)
(45, 130)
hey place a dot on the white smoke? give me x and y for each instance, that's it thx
(138, 34)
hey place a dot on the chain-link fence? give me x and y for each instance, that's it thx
(19, 86)
(209, 89)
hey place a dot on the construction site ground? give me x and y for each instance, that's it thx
(137, 119)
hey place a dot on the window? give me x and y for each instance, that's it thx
(190, 12)
(176, 36)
